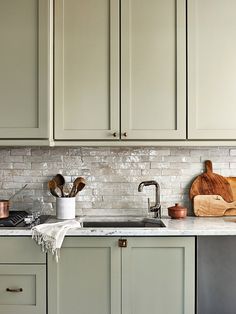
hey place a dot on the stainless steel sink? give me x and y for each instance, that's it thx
(144, 223)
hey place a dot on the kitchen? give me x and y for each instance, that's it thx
(90, 93)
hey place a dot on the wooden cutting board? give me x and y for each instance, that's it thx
(209, 183)
(232, 182)
(213, 205)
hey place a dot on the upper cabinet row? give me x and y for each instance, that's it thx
(123, 70)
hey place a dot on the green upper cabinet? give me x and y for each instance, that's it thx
(212, 69)
(120, 69)
(24, 69)
(86, 69)
(153, 69)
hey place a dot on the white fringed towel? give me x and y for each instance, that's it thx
(50, 236)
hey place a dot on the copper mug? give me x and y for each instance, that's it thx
(4, 208)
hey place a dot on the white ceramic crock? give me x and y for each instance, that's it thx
(65, 207)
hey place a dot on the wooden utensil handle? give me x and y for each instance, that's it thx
(208, 165)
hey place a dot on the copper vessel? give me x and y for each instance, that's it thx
(4, 208)
(5, 204)
(177, 211)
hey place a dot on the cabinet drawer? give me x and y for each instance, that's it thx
(20, 250)
(22, 289)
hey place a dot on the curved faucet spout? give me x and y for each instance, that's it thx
(156, 209)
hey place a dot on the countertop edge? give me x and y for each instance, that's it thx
(190, 226)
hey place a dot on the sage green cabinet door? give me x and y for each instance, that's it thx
(153, 67)
(158, 276)
(22, 251)
(212, 69)
(87, 278)
(86, 69)
(23, 289)
(24, 69)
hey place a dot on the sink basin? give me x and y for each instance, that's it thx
(144, 223)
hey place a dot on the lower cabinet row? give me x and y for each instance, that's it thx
(103, 275)
(96, 275)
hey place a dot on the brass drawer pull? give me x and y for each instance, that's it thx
(123, 242)
(14, 290)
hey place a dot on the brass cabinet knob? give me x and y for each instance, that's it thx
(125, 134)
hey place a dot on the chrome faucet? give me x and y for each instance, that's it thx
(155, 209)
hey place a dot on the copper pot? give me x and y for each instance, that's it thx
(5, 204)
(177, 211)
(4, 208)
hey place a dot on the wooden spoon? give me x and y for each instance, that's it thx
(78, 185)
(52, 187)
(60, 181)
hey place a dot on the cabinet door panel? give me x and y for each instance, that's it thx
(158, 276)
(153, 69)
(212, 69)
(23, 251)
(24, 68)
(86, 69)
(86, 278)
(32, 280)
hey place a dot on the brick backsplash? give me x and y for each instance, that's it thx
(112, 175)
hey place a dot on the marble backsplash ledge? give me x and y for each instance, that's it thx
(112, 175)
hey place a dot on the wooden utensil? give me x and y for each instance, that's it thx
(213, 205)
(52, 185)
(60, 181)
(78, 185)
(210, 183)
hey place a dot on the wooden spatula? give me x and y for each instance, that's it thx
(210, 183)
(213, 205)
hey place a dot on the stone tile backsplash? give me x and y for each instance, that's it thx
(112, 174)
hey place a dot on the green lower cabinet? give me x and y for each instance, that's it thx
(158, 276)
(151, 275)
(22, 289)
(87, 278)
(23, 286)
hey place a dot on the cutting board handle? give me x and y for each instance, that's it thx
(208, 165)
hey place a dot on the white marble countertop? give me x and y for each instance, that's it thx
(190, 226)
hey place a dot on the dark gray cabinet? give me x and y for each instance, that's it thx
(216, 275)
